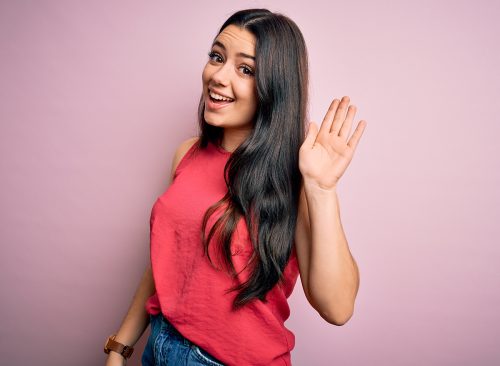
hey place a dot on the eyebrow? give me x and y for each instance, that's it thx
(217, 43)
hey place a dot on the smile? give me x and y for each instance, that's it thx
(219, 98)
(216, 101)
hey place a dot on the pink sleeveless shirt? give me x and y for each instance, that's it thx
(191, 293)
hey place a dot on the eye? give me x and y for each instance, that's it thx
(214, 56)
(247, 70)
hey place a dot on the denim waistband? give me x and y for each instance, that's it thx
(174, 332)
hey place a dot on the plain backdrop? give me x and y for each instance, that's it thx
(96, 95)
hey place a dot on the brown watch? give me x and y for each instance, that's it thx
(112, 345)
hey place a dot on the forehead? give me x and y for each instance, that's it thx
(238, 39)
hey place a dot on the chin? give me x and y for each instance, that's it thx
(221, 125)
(216, 122)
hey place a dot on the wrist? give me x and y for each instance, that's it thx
(112, 345)
(115, 356)
(115, 359)
(312, 186)
(315, 192)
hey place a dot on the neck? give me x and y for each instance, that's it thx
(233, 138)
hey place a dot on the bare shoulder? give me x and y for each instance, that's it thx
(181, 150)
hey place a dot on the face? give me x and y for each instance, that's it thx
(229, 80)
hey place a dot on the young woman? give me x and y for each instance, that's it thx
(252, 203)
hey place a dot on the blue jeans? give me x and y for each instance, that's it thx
(166, 346)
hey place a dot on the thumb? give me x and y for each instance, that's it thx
(312, 132)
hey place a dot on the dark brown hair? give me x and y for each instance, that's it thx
(262, 174)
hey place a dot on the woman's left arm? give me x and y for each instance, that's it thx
(332, 278)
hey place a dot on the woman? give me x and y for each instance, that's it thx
(252, 203)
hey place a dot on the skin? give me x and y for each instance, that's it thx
(329, 273)
(231, 74)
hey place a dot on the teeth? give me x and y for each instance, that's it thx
(219, 97)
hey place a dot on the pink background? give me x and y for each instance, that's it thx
(96, 95)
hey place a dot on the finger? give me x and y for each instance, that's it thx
(312, 132)
(346, 127)
(353, 141)
(340, 115)
(327, 121)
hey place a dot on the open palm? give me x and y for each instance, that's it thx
(325, 154)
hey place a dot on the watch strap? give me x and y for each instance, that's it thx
(112, 345)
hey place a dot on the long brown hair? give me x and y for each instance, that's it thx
(262, 174)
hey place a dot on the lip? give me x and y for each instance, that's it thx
(214, 106)
(218, 92)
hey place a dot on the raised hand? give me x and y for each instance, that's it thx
(325, 155)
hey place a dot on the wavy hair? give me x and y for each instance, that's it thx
(262, 175)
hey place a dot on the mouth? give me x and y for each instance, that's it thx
(216, 101)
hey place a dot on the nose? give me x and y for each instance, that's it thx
(222, 75)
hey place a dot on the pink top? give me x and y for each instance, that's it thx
(191, 293)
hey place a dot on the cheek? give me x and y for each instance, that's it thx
(252, 99)
(248, 104)
(255, 97)
(205, 74)
(247, 92)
